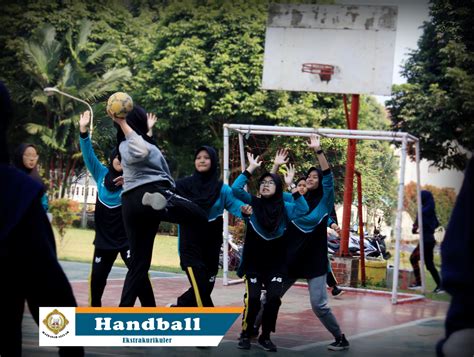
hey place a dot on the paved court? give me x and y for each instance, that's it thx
(372, 324)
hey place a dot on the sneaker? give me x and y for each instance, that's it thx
(156, 200)
(438, 290)
(171, 305)
(337, 291)
(267, 344)
(414, 287)
(244, 342)
(340, 344)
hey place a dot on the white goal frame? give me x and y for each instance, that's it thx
(404, 138)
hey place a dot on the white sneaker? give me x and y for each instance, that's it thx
(156, 200)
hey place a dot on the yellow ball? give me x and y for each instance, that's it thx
(120, 104)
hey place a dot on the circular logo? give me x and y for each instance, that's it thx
(55, 321)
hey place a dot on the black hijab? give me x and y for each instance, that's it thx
(18, 163)
(203, 188)
(138, 121)
(112, 174)
(314, 196)
(270, 211)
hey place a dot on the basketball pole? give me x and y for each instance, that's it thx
(349, 178)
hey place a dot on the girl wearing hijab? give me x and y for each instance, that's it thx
(430, 223)
(263, 262)
(148, 197)
(110, 237)
(200, 245)
(26, 159)
(307, 249)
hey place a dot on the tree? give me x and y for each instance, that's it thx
(64, 213)
(444, 198)
(436, 103)
(77, 71)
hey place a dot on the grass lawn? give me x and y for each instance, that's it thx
(77, 246)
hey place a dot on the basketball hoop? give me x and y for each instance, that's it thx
(325, 71)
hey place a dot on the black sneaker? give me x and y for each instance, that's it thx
(244, 342)
(336, 291)
(340, 344)
(438, 290)
(415, 286)
(267, 344)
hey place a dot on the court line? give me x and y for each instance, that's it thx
(369, 333)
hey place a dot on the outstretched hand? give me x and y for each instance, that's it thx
(281, 157)
(314, 142)
(290, 175)
(84, 121)
(151, 120)
(254, 162)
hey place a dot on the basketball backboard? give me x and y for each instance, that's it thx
(350, 46)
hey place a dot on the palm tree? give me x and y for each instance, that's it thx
(71, 66)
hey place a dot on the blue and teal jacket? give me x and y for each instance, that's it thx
(98, 172)
(312, 219)
(295, 209)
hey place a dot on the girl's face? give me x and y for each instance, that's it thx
(117, 164)
(202, 162)
(301, 186)
(30, 157)
(267, 187)
(312, 181)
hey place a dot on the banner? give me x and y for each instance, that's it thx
(138, 326)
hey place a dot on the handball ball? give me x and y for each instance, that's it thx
(120, 104)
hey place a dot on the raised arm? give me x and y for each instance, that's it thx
(238, 187)
(151, 120)
(315, 144)
(281, 158)
(138, 149)
(90, 159)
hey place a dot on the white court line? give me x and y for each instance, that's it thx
(368, 333)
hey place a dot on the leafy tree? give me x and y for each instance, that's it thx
(64, 213)
(436, 103)
(75, 71)
(445, 198)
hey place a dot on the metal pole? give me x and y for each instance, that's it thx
(349, 179)
(225, 262)
(361, 227)
(420, 219)
(50, 91)
(242, 151)
(398, 222)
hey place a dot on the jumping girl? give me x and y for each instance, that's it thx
(110, 237)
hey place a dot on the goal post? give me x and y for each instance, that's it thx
(401, 137)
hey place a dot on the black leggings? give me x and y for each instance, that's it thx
(102, 264)
(415, 258)
(141, 224)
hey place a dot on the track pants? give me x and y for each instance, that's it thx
(253, 289)
(102, 263)
(199, 294)
(415, 258)
(141, 224)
